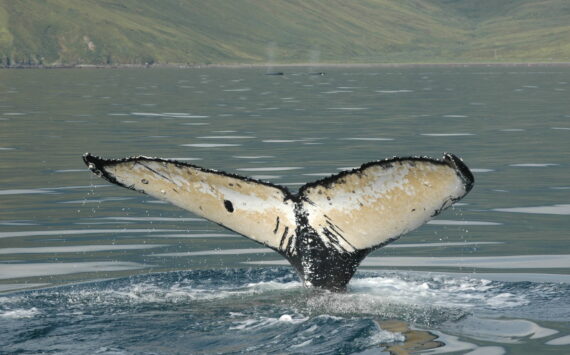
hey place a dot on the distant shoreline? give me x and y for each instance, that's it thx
(292, 65)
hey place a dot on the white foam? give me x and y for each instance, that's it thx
(563, 209)
(561, 128)
(7, 148)
(20, 313)
(383, 294)
(455, 116)
(263, 322)
(381, 337)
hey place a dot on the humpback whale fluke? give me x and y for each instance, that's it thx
(327, 227)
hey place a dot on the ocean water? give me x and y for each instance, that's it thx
(86, 267)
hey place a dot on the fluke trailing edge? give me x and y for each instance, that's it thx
(324, 230)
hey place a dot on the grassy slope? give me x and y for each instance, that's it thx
(258, 31)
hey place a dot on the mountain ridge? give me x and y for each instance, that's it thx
(221, 32)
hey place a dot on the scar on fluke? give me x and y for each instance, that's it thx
(229, 206)
(325, 229)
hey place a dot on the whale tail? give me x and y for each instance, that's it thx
(325, 229)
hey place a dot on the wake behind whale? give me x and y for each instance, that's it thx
(324, 230)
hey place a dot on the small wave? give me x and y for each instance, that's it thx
(277, 168)
(253, 156)
(27, 191)
(394, 91)
(565, 340)
(280, 140)
(210, 145)
(266, 177)
(447, 134)
(563, 209)
(80, 232)
(153, 219)
(446, 222)
(534, 165)
(226, 137)
(238, 90)
(366, 139)
(13, 271)
(484, 262)
(77, 248)
(220, 252)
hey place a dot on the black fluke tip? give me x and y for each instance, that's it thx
(461, 169)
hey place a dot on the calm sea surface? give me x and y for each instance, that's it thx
(86, 267)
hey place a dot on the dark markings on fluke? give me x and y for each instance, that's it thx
(324, 230)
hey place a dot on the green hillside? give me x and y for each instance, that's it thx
(69, 32)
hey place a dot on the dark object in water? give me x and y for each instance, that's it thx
(275, 73)
(321, 73)
(327, 228)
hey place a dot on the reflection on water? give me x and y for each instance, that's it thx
(509, 124)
